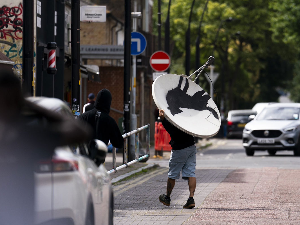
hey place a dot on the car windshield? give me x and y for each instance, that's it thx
(279, 113)
(240, 116)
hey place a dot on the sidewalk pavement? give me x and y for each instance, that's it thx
(223, 196)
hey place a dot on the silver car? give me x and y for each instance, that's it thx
(69, 187)
(276, 128)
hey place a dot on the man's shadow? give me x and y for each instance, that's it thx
(177, 98)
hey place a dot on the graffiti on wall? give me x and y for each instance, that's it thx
(11, 32)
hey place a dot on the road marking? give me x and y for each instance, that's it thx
(136, 182)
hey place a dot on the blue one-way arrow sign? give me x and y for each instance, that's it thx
(138, 43)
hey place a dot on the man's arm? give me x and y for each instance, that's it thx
(167, 125)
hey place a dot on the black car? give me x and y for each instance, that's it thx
(236, 121)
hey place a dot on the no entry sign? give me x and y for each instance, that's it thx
(160, 61)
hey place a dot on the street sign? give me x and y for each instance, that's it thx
(160, 61)
(213, 76)
(90, 13)
(138, 43)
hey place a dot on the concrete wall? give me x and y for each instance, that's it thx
(95, 33)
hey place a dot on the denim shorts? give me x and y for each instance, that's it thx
(184, 161)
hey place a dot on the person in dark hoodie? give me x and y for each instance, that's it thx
(105, 127)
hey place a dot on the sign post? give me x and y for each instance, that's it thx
(138, 46)
(212, 79)
(160, 61)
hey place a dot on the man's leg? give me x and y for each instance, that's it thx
(165, 199)
(176, 163)
(192, 186)
(170, 186)
(189, 173)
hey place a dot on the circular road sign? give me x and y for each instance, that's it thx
(160, 61)
(138, 43)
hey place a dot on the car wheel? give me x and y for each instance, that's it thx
(272, 152)
(111, 210)
(90, 218)
(249, 152)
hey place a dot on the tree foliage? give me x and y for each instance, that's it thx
(255, 52)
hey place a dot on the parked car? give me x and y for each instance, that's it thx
(236, 121)
(258, 107)
(276, 128)
(70, 187)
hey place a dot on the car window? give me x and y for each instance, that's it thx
(240, 116)
(279, 113)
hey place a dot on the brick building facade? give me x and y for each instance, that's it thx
(111, 71)
(111, 79)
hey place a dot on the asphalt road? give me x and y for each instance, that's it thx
(136, 200)
(229, 153)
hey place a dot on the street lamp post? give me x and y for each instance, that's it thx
(28, 29)
(198, 42)
(217, 34)
(167, 32)
(127, 58)
(230, 19)
(187, 43)
(159, 24)
(133, 118)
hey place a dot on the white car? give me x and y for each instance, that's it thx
(276, 128)
(258, 107)
(70, 188)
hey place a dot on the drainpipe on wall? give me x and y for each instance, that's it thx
(112, 32)
(142, 100)
(117, 35)
(117, 32)
(112, 39)
(147, 16)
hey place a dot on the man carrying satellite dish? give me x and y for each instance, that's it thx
(186, 110)
(183, 159)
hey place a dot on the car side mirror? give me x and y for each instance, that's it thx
(251, 117)
(97, 151)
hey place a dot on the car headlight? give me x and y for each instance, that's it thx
(290, 129)
(246, 130)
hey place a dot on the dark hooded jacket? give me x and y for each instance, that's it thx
(105, 127)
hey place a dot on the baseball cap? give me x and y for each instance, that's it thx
(91, 96)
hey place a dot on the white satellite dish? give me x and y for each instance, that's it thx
(187, 106)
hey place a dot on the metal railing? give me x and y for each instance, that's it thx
(137, 149)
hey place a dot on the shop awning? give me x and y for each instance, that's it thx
(91, 72)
